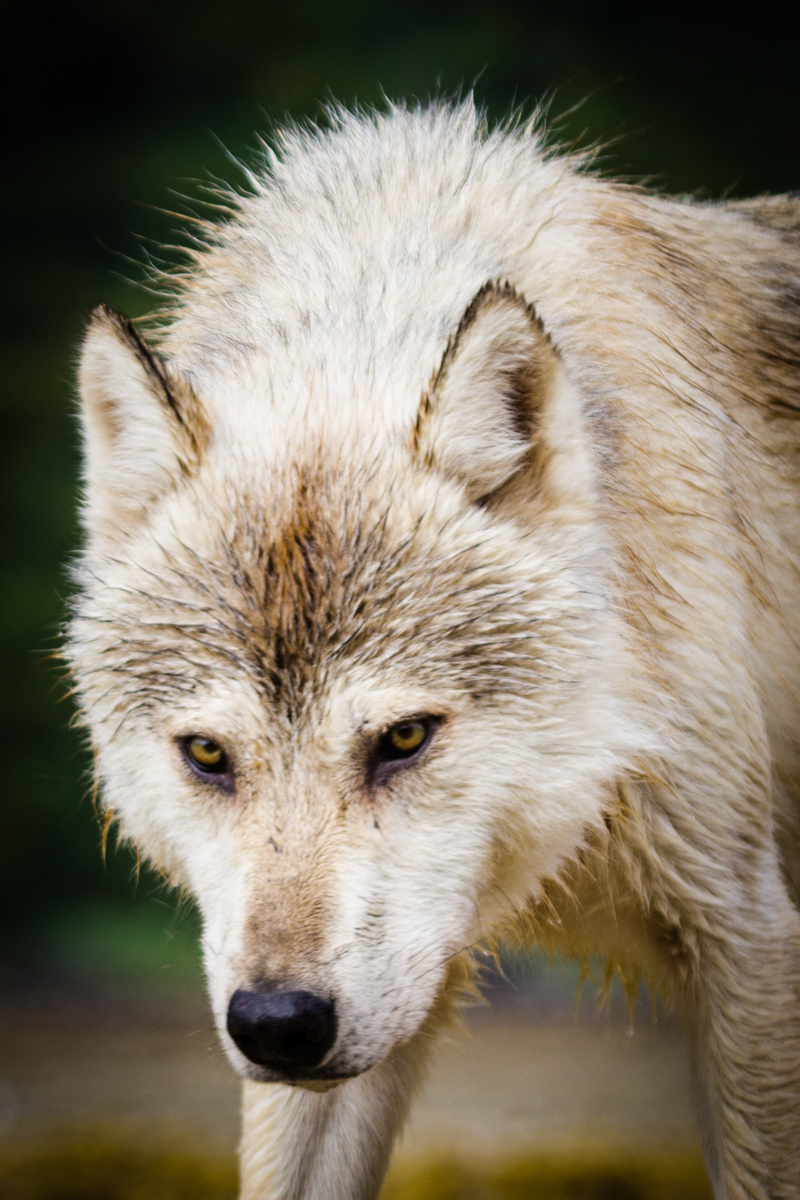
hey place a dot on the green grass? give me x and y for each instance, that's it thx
(102, 1167)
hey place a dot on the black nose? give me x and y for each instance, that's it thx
(282, 1029)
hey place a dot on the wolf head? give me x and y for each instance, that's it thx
(352, 680)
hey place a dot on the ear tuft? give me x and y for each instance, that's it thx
(143, 425)
(478, 419)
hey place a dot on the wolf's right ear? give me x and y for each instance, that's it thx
(501, 404)
(143, 425)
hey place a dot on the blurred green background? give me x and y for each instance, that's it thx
(110, 110)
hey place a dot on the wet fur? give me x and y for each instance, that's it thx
(439, 422)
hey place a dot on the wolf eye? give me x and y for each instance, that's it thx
(206, 757)
(404, 739)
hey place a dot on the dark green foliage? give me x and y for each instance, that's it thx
(108, 107)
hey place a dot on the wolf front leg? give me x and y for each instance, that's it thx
(745, 1029)
(335, 1145)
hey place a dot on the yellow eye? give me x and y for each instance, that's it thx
(204, 755)
(404, 740)
(407, 736)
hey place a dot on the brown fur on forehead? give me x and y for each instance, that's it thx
(344, 577)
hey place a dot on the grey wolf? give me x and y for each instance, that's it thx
(440, 586)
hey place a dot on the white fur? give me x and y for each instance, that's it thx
(345, 524)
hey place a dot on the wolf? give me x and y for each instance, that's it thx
(439, 588)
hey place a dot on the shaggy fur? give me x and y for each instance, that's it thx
(440, 423)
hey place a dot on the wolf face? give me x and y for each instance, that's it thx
(356, 683)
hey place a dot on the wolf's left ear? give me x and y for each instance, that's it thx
(143, 425)
(500, 402)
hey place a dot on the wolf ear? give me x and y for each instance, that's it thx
(143, 425)
(500, 401)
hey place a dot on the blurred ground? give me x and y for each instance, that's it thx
(84, 1063)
